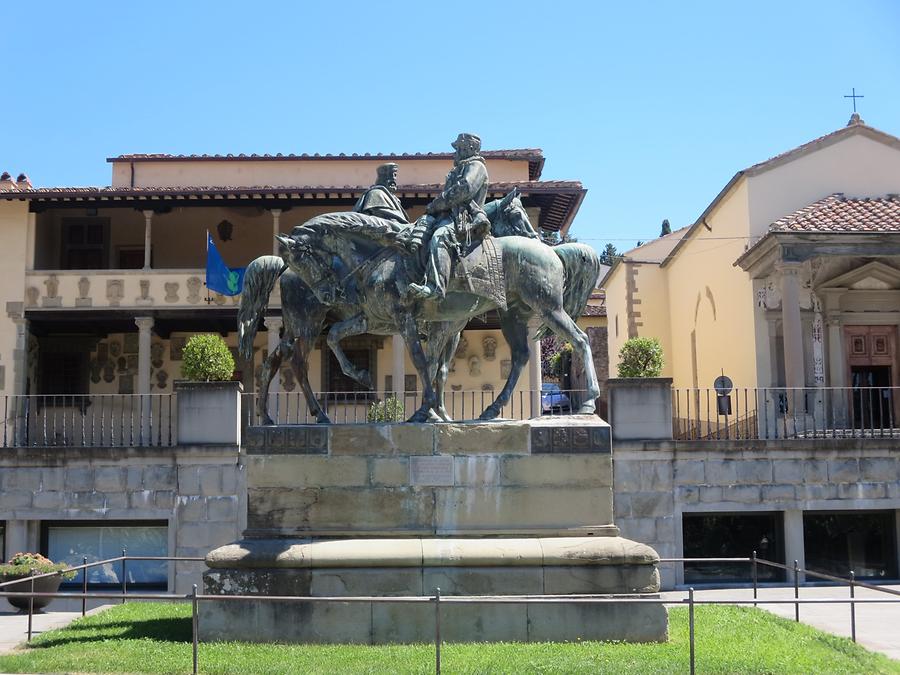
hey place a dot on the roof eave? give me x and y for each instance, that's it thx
(703, 216)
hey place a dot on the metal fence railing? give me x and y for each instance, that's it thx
(781, 412)
(89, 420)
(357, 407)
(438, 600)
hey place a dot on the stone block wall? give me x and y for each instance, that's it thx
(657, 482)
(537, 477)
(199, 491)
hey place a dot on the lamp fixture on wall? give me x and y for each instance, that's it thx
(225, 229)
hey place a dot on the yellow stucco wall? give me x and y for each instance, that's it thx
(651, 302)
(296, 172)
(711, 301)
(856, 165)
(13, 235)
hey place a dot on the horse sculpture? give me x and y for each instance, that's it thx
(306, 310)
(552, 283)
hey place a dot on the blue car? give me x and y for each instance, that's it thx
(553, 399)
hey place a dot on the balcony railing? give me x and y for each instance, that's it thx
(361, 407)
(781, 412)
(89, 420)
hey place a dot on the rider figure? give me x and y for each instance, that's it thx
(455, 216)
(380, 199)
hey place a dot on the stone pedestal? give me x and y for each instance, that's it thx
(506, 508)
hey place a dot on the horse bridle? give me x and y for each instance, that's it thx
(327, 274)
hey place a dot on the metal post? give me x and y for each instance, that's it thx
(124, 579)
(852, 606)
(796, 590)
(755, 572)
(437, 631)
(195, 626)
(691, 624)
(84, 571)
(31, 606)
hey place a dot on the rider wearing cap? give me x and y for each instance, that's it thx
(455, 216)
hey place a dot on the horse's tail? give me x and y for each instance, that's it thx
(259, 282)
(581, 266)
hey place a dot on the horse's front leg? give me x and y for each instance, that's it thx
(356, 325)
(270, 367)
(420, 361)
(514, 325)
(300, 361)
(450, 340)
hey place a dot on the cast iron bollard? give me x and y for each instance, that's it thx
(437, 631)
(31, 605)
(755, 576)
(852, 605)
(796, 591)
(124, 580)
(691, 624)
(84, 573)
(195, 626)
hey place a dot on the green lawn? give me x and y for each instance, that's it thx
(155, 638)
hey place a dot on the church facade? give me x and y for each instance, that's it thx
(788, 285)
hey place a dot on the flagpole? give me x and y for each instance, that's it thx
(208, 296)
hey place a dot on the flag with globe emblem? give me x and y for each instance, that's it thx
(219, 277)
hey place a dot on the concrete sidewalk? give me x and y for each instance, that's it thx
(14, 626)
(876, 624)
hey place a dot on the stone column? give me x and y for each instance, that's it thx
(144, 324)
(793, 542)
(273, 326)
(148, 225)
(534, 368)
(276, 228)
(794, 371)
(20, 355)
(398, 367)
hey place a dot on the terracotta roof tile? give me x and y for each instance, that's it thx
(837, 213)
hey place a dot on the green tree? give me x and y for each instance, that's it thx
(641, 357)
(206, 358)
(609, 255)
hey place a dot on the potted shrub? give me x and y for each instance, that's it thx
(389, 410)
(206, 358)
(640, 401)
(22, 566)
(208, 400)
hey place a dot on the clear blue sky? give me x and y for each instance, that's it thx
(653, 106)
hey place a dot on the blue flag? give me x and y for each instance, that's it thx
(219, 277)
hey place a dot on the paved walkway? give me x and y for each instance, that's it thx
(14, 626)
(876, 624)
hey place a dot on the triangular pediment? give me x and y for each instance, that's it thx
(873, 276)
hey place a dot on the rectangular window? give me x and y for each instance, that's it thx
(863, 541)
(63, 366)
(70, 542)
(732, 535)
(85, 243)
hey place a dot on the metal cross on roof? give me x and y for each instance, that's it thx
(854, 96)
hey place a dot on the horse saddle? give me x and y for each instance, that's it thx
(480, 271)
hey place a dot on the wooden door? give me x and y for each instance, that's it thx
(871, 358)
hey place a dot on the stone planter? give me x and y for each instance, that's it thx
(640, 408)
(209, 413)
(43, 585)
